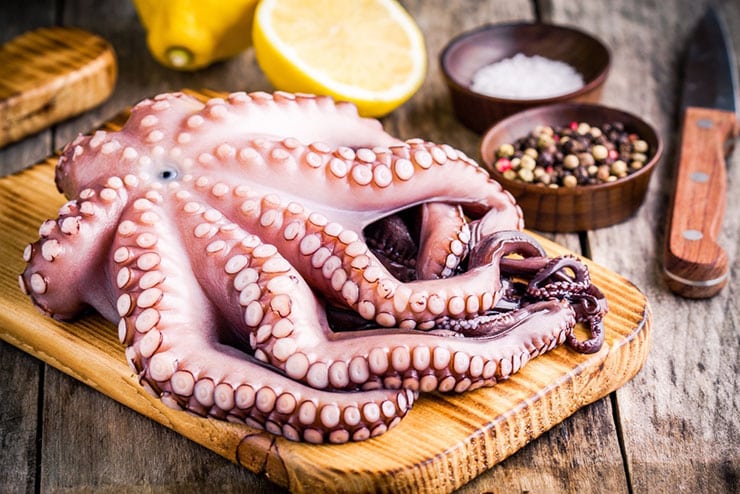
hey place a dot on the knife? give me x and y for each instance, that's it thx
(695, 265)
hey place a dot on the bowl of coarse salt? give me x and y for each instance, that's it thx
(500, 69)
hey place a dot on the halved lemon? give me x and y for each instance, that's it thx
(369, 52)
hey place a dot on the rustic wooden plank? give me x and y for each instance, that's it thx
(131, 453)
(679, 415)
(19, 389)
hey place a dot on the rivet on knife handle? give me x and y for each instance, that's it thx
(695, 265)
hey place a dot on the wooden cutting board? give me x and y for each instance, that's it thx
(447, 439)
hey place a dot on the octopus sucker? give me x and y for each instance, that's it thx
(278, 261)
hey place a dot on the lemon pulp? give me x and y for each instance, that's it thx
(369, 52)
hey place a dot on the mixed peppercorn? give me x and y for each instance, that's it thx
(578, 154)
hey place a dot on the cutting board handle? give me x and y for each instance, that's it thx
(49, 75)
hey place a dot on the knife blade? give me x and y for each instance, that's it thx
(695, 265)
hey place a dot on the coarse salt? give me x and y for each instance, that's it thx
(522, 77)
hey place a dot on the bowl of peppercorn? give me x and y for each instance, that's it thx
(497, 70)
(573, 166)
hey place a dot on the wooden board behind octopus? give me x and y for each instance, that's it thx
(636, 325)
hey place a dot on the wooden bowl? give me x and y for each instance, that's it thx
(583, 207)
(464, 55)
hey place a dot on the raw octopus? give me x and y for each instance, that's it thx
(277, 260)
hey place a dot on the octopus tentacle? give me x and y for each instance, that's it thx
(542, 285)
(588, 301)
(494, 247)
(406, 173)
(57, 277)
(428, 362)
(344, 269)
(552, 280)
(590, 306)
(191, 369)
(304, 117)
(444, 240)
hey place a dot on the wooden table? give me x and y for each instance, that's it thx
(674, 428)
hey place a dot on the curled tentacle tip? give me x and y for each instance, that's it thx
(495, 246)
(591, 345)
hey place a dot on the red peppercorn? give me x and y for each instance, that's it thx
(503, 164)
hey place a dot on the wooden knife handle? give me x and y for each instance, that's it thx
(695, 266)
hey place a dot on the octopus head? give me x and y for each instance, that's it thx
(146, 147)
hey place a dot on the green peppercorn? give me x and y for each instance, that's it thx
(510, 175)
(526, 174)
(638, 157)
(583, 128)
(544, 140)
(619, 168)
(531, 152)
(640, 146)
(571, 162)
(599, 152)
(506, 150)
(595, 132)
(527, 162)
